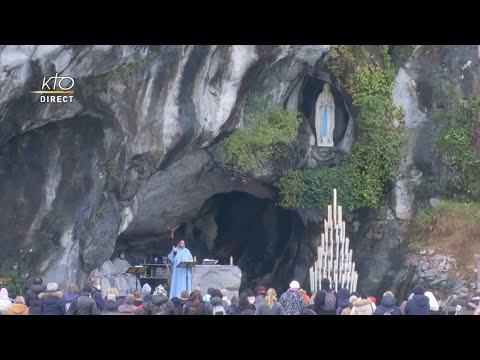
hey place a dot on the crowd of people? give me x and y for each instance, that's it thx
(41, 299)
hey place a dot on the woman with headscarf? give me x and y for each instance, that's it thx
(270, 305)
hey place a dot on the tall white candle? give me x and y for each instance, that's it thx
(311, 279)
(320, 258)
(334, 207)
(337, 249)
(340, 216)
(329, 212)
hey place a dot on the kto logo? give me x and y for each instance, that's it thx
(60, 85)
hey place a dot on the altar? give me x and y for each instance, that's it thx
(217, 276)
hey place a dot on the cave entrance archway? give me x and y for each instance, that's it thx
(254, 231)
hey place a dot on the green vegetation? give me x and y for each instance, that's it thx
(99, 215)
(120, 73)
(126, 70)
(400, 54)
(452, 228)
(459, 143)
(368, 76)
(250, 148)
(15, 282)
(111, 163)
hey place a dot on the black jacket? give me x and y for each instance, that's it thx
(155, 302)
(32, 300)
(318, 307)
(83, 305)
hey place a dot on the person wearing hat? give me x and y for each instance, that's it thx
(419, 304)
(51, 301)
(292, 301)
(388, 305)
(260, 298)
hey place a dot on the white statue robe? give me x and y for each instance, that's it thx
(325, 117)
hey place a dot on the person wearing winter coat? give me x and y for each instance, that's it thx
(388, 305)
(84, 304)
(218, 309)
(419, 304)
(348, 310)
(97, 295)
(51, 301)
(5, 302)
(31, 297)
(194, 305)
(70, 295)
(225, 302)
(261, 293)
(343, 297)
(159, 305)
(270, 305)
(128, 306)
(363, 306)
(111, 304)
(18, 307)
(242, 306)
(292, 301)
(319, 305)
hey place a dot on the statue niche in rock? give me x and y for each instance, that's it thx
(325, 117)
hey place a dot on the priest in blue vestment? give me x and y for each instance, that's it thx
(181, 277)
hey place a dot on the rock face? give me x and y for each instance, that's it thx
(219, 277)
(77, 175)
(137, 151)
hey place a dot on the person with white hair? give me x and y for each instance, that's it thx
(292, 301)
(52, 301)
